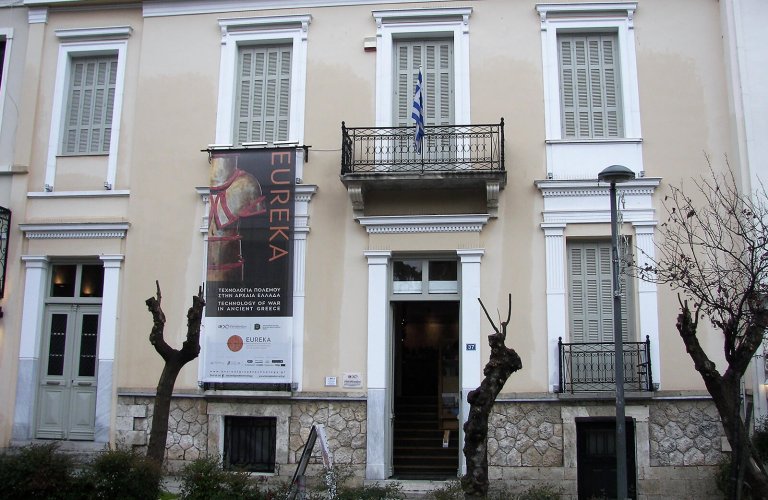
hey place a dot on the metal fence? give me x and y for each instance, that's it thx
(588, 367)
(452, 148)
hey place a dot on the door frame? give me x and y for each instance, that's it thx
(379, 376)
(586, 424)
(36, 282)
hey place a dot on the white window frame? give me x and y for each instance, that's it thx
(584, 158)
(577, 202)
(266, 30)
(430, 23)
(86, 42)
(7, 35)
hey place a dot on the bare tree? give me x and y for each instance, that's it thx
(502, 363)
(174, 361)
(714, 252)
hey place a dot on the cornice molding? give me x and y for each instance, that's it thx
(554, 188)
(97, 33)
(75, 231)
(398, 224)
(157, 8)
(37, 15)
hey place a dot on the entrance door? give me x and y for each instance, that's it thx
(596, 457)
(67, 395)
(426, 402)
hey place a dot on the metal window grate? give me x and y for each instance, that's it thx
(249, 443)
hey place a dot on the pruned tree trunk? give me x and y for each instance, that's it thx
(725, 392)
(502, 363)
(174, 361)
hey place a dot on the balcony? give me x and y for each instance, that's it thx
(454, 157)
(590, 367)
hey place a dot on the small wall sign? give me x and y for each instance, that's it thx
(352, 380)
(471, 347)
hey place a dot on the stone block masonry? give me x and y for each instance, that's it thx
(677, 441)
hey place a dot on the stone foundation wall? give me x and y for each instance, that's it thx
(187, 426)
(190, 435)
(525, 435)
(678, 444)
(685, 433)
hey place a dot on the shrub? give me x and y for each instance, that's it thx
(38, 471)
(451, 491)
(123, 473)
(205, 479)
(334, 487)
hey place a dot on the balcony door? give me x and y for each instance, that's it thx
(435, 58)
(591, 312)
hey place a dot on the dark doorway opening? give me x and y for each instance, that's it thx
(596, 457)
(426, 402)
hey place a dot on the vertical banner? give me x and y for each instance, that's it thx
(249, 289)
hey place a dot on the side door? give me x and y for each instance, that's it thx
(67, 394)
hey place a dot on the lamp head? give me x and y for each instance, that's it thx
(616, 174)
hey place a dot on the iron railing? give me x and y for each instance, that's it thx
(586, 367)
(451, 148)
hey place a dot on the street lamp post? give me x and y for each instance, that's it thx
(617, 174)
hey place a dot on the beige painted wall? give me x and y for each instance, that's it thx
(169, 115)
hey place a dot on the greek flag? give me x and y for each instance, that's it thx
(418, 115)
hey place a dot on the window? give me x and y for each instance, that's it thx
(262, 79)
(438, 41)
(591, 293)
(77, 280)
(410, 276)
(591, 97)
(87, 102)
(2, 60)
(263, 93)
(250, 443)
(589, 85)
(90, 105)
(435, 58)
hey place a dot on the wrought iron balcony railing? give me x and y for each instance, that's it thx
(451, 148)
(591, 366)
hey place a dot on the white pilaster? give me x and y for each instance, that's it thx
(107, 341)
(108, 327)
(470, 362)
(647, 295)
(379, 410)
(554, 240)
(300, 231)
(29, 345)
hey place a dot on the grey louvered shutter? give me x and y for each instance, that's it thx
(436, 60)
(90, 105)
(263, 94)
(591, 293)
(589, 86)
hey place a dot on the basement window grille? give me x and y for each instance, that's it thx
(249, 443)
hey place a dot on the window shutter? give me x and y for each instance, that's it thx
(589, 86)
(436, 61)
(591, 293)
(263, 94)
(91, 104)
